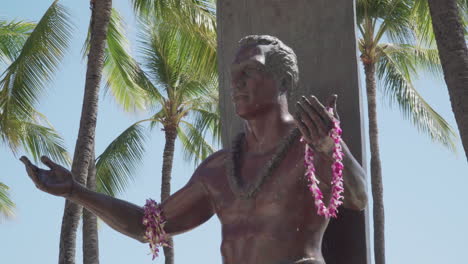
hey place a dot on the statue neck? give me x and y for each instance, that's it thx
(265, 132)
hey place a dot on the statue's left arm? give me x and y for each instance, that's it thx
(315, 122)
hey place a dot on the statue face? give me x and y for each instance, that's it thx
(254, 91)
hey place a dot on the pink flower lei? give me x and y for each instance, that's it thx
(154, 222)
(337, 178)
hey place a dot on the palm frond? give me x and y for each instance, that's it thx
(175, 61)
(35, 135)
(203, 118)
(423, 22)
(208, 121)
(418, 58)
(123, 76)
(116, 165)
(394, 72)
(195, 16)
(25, 79)
(156, 119)
(395, 20)
(205, 89)
(6, 204)
(13, 35)
(195, 147)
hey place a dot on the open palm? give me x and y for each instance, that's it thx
(57, 181)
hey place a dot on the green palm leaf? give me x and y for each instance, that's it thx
(203, 118)
(394, 17)
(25, 79)
(195, 16)
(6, 204)
(423, 25)
(208, 120)
(192, 49)
(160, 49)
(115, 166)
(394, 69)
(120, 69)
(195, 147)
(41, 140)
(420, 58)
(13, 35)
(124, 78)
(177, 63)
(34, 135)
(181, 68)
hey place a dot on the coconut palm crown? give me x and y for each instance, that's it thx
(30, 54)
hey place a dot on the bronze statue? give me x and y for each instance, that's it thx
(257, 188)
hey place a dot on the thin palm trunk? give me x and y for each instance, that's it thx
(453, 52)
(90, 232)
(168, 157)
(376, 169)
(83, 149)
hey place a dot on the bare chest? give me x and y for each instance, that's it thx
(249, 191)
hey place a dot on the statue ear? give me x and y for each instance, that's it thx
(286, 83)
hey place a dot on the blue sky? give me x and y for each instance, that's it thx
(424, 184)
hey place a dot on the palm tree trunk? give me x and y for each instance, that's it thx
(90, 232)
(168, 157)
(448, 30)
(83, 149)
(376, 169)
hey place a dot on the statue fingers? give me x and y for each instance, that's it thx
(49, 163)
(332, 103)
(310, 114)
(321, 109)
(301, 126)
(33, 171)
(307, 117)
(313, 134)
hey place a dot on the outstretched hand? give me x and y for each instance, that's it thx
(57, 181)
(315, 122)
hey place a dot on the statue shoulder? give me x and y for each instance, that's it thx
(215, 160)
(211, 167)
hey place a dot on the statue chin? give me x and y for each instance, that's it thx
(252, 111)
(245, 113)
(242, 114)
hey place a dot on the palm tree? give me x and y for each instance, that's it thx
(84, 149)
(132, 89)
(394, 64)
(170, 65)
(182, 97)
(31, 53)
(449, 23)
(125, 81)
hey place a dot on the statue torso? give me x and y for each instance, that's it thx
(279, 224)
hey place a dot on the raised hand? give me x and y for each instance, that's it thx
(57, 181)
(315, 122)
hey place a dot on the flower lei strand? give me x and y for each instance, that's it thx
(154, 222)
(337, 170)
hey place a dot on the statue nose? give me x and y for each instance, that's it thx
(239, 85)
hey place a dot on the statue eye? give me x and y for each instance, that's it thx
(249, 71)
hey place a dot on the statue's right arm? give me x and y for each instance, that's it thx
(184, 210)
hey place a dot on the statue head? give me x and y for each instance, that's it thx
(280, 59)
(263, 73)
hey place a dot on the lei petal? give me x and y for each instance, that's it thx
(337, 167)
(154, 222)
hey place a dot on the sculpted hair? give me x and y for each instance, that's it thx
(281, 61)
